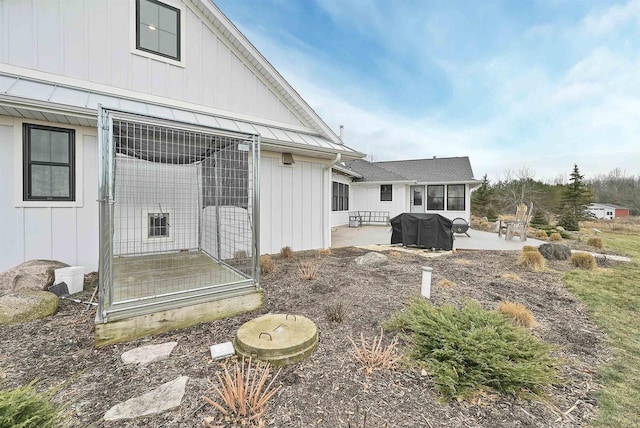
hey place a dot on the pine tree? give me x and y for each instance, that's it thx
(576, 198)
(481, 198)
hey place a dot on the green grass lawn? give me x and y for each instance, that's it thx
(613, 298)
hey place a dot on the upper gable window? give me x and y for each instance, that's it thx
(158, 28)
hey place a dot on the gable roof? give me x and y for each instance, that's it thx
(432, 170)
(33, 94)
(263, 66)
(371, 172)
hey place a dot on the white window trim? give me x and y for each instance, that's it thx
(18, 165)
(183, 22)
(145, 225)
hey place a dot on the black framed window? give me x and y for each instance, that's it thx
(158, 225)
(49, 163)
(455, 197)
(435, 197)
(158, 28)
(386, 192)
(340, 197)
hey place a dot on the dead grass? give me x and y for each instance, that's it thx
(445, 283)
(583, 261)
(555, 237)
(541, 234)
(596, 242)
(511, 277)
(336, 312)
(243, 394)
(518, 312)
(463, 262)
(628, 225)
(394, 253)
(267, 265)
(324, 251)
(286, 252)
(309, 268)
(375, 356)
(532, 260)
(529, 248)
(240, 254)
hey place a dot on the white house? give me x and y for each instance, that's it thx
(120, 110)
(435, 185)
(608, 211)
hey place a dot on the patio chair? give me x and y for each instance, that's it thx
(519, 226)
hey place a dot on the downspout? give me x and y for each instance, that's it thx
(325, 223)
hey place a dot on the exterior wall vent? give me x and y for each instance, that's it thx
(287, 159)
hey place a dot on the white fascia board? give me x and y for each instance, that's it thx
(346, 171)
(264, 66)
(449, 182)
(363, 183)
(282, 146)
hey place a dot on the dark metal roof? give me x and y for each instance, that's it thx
(432, 170)
(371, 172)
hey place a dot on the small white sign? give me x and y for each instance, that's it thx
(222, 350)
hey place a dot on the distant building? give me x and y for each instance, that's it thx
(608, 211)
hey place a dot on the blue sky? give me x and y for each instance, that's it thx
(515, 85)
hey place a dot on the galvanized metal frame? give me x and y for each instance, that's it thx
(109, 308)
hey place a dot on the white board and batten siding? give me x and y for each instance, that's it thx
(366, 197)
(66, 231)
(91, 44)
(291, 203)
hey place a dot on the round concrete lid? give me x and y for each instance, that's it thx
(279, 339)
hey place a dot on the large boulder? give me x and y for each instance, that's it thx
(372, 259)
(555, 251)
(27, 306)
(33, 275)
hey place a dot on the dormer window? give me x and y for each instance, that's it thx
(158, 28)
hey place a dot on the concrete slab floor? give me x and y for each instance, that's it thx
(344, 236)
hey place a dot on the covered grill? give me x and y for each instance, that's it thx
(422, 230)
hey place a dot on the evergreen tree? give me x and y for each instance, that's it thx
(481, 198)
(576, 197)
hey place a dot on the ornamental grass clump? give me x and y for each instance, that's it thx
(596, 242)
(555, 237)
(267, 265)
(541, 234)
(517, 313)
(471, 350)
(23, 407)
(286, 252)
(583, 261)
(375, 356)
(243, 393)
(309, 268)
(532, 260)
(529, 248)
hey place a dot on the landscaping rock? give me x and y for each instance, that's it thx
(27, 306)
(144, 355)
(33, 275)
(554, 251)
(372, 259)
(165, 397)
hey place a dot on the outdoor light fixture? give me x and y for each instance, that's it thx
(151, 27)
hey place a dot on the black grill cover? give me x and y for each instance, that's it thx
(422, 230)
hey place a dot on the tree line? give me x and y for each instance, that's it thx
(566, 202)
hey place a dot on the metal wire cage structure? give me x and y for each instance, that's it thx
(179, 218)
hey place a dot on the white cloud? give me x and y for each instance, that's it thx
(613, 18)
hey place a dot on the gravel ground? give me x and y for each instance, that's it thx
(328, 389)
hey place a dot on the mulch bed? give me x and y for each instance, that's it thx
(328, 389)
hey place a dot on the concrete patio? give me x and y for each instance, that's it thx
(344, 236)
